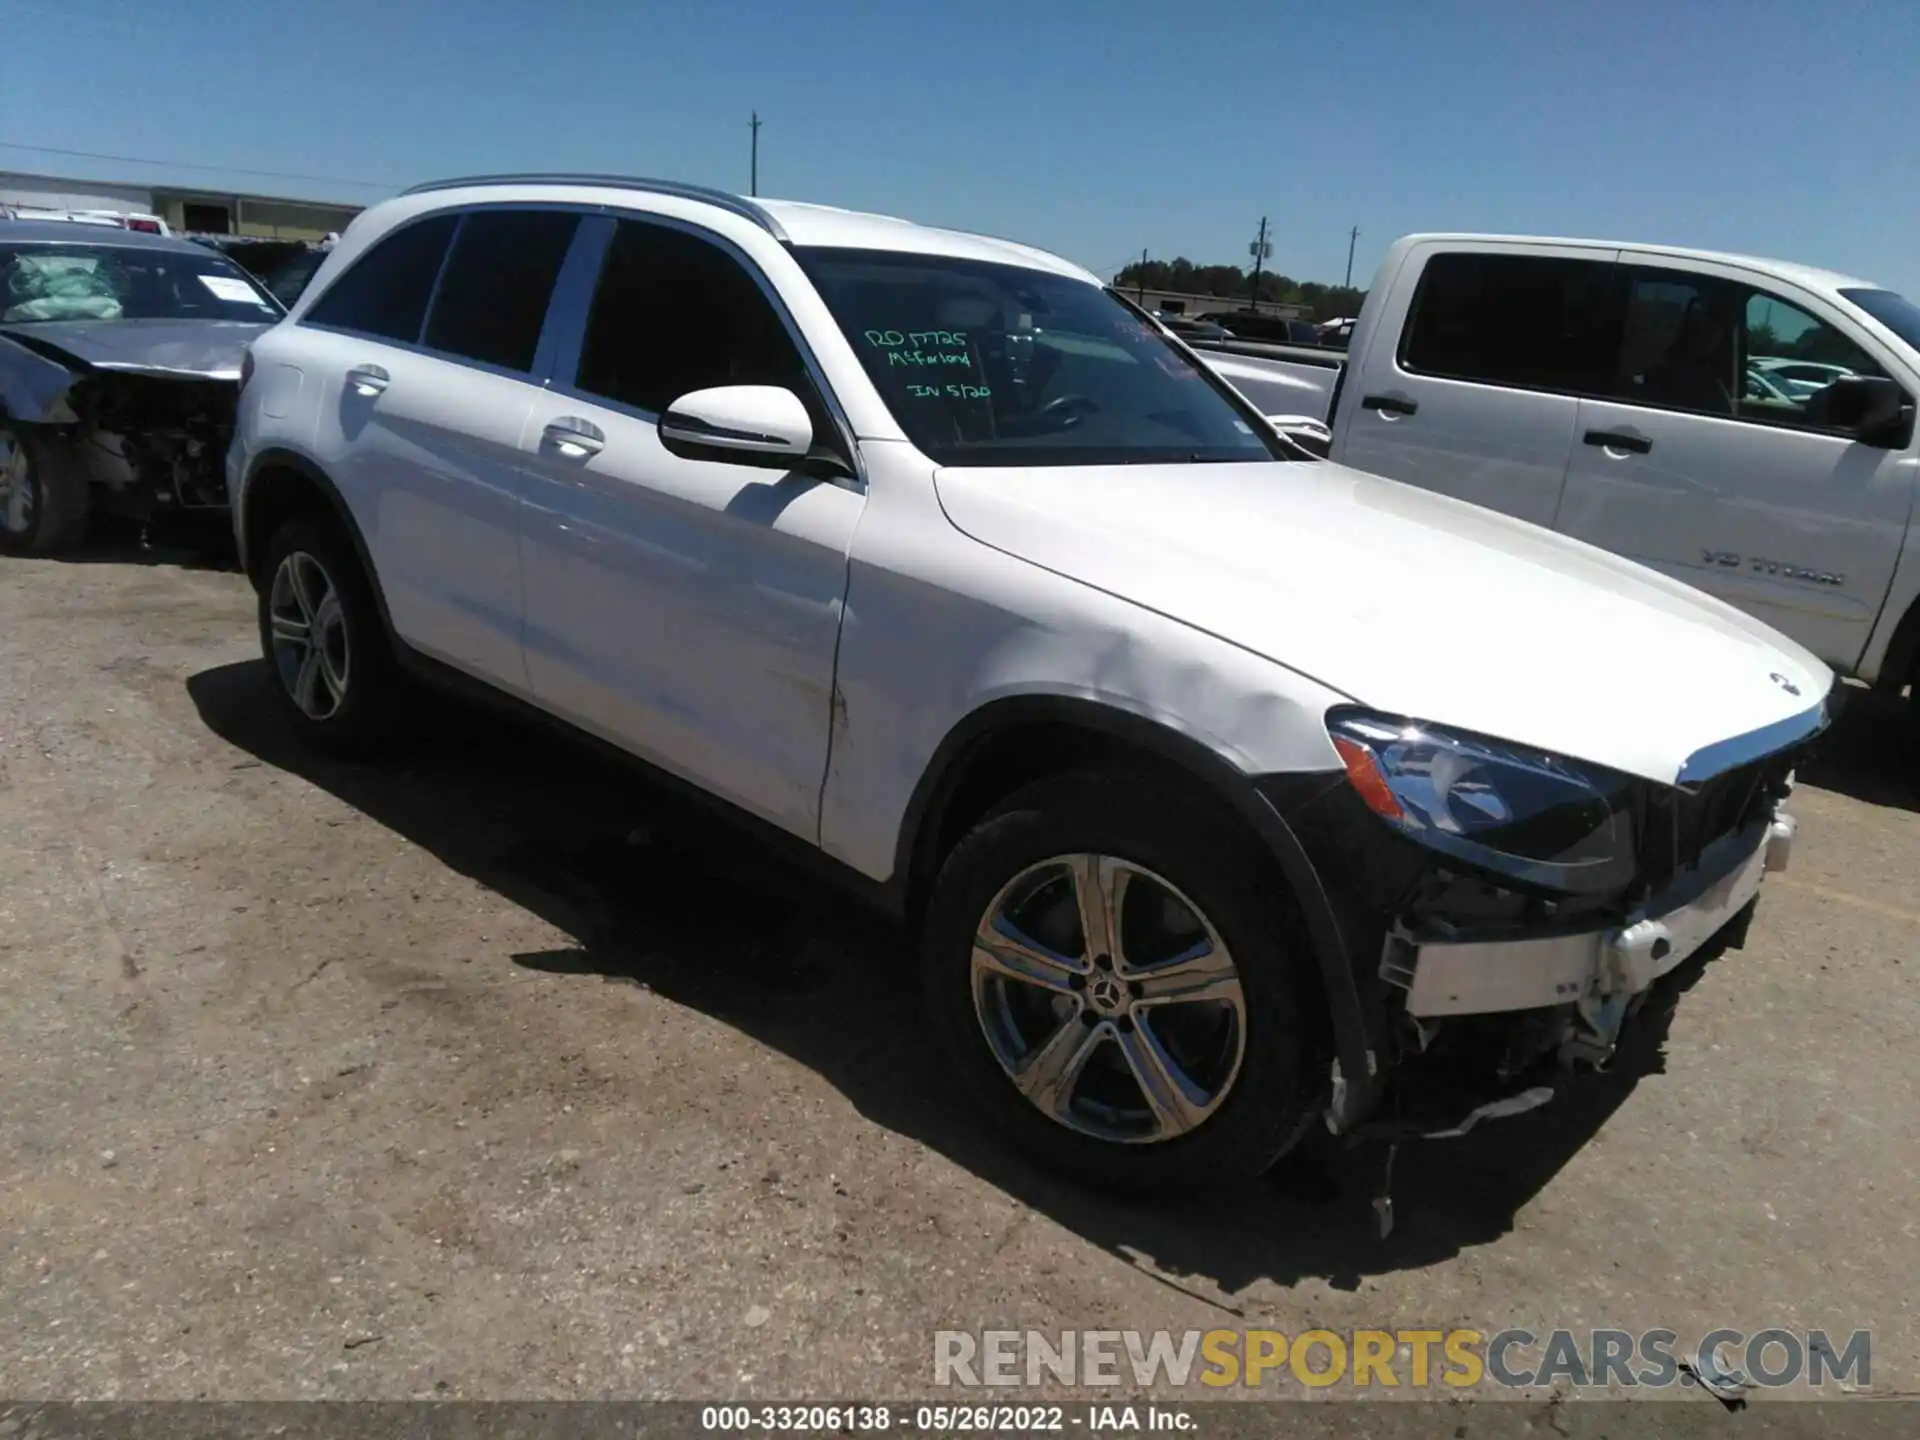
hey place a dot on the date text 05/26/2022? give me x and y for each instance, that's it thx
(872, 1419)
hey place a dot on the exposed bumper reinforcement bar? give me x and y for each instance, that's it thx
(1490, 977)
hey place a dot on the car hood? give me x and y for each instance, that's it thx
(207, 349)
(1411, 603)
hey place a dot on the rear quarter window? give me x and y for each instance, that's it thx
(385, 292)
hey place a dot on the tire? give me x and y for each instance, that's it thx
(1235, 1117)
(45, 501)
(346, 695)
(1911, 709)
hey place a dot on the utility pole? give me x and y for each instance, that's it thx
(1353, 237)
(753, 180)
(1143, 279)
(1260, 250)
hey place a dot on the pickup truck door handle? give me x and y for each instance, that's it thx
(574, 437)
(1389, 404)
(1618, 440)
(368, 379)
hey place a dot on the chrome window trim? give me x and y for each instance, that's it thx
(1738, 750)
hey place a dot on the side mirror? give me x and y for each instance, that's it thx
(1313, 436)
(740, 425)
(1875, 409)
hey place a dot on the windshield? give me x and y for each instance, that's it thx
(986, 364)
(121, 282)
(1896, 312)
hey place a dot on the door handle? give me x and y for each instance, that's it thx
(368, 379)
(1389, 404)
(1618, 440)
(574, 437)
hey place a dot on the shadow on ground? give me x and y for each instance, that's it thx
(654, 891)
(1870, 753)
(196, 542)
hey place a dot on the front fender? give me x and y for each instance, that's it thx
(34, 388)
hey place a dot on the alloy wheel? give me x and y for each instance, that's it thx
(17, 489)
(1109, 999)
(309, 635)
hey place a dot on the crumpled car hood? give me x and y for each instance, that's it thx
(1409, 602)
(207, 349)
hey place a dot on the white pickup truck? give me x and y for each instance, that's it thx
(1659, 403)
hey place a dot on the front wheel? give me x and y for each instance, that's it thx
(1114, 978)
(44, 499)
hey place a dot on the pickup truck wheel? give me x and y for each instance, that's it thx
(321, 633)
(1114, 980)
(44, 500)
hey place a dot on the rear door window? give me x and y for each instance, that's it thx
(493, 296)
(385, 292)
(1531, 322)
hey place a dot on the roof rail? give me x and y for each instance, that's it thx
(725, 200)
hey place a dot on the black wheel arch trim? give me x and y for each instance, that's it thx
(278, 459)
(915, 854)
(1901, 665)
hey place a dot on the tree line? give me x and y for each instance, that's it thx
(1322, 302)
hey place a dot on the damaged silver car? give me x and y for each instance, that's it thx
(120, 360)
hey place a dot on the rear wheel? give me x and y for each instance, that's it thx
(1115, 980)
(44, 500)
(321, 633)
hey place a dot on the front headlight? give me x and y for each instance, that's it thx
(1542, 819)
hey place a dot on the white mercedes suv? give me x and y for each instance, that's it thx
(1220, 785)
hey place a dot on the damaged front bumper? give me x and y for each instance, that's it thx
(1534, 1010)
(1529, 1010)
(1474, 997)
(1477, 977)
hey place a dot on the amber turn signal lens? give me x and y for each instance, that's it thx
(1364, 772)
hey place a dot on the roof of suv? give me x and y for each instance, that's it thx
(793, 221)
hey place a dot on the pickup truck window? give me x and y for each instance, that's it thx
(1677, 349)
(1531, 322)
(1711, 346)
(1896, 312)
(986, 364)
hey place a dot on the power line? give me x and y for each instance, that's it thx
(1107, 272)
(216, 169)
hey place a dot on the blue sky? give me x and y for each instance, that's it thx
(1097, 130)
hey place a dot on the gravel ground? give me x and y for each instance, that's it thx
(493, 1074)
